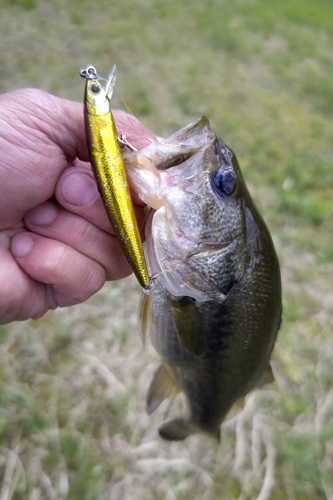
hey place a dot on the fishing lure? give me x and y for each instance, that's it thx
(108, 166)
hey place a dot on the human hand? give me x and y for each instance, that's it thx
(57, 246)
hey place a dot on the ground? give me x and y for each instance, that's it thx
(72, 392)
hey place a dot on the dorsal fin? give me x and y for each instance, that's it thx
(163, 385)
(188, 325)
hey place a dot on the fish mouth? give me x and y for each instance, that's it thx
(158, 174)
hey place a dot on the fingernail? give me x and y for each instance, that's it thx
(21, 245)
(42, 215)
(78, 189)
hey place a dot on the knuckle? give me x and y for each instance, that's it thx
(92, 281)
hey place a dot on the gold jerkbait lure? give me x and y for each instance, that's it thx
(108, 166)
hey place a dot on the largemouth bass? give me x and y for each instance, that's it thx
(108, 166)
(215, 305)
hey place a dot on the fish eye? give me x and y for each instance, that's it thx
(95, 89)
(224, 181)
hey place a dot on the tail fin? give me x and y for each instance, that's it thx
(179, 429)
(176, 430)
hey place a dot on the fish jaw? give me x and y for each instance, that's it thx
(144, 178)
(152, 185)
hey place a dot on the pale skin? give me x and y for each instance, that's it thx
(57, 247)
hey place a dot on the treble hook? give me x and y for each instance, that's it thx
(89, 72)
(124, 142)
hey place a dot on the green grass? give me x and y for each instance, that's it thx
(72, 410)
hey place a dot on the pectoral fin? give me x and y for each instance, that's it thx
(163, 385)
(188, 325)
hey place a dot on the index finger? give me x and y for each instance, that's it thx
(76, 191)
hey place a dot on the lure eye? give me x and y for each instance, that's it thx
(95, 89)
(224, 181)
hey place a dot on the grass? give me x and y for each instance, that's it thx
(72, 412)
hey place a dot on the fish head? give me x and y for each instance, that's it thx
(196, 234)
